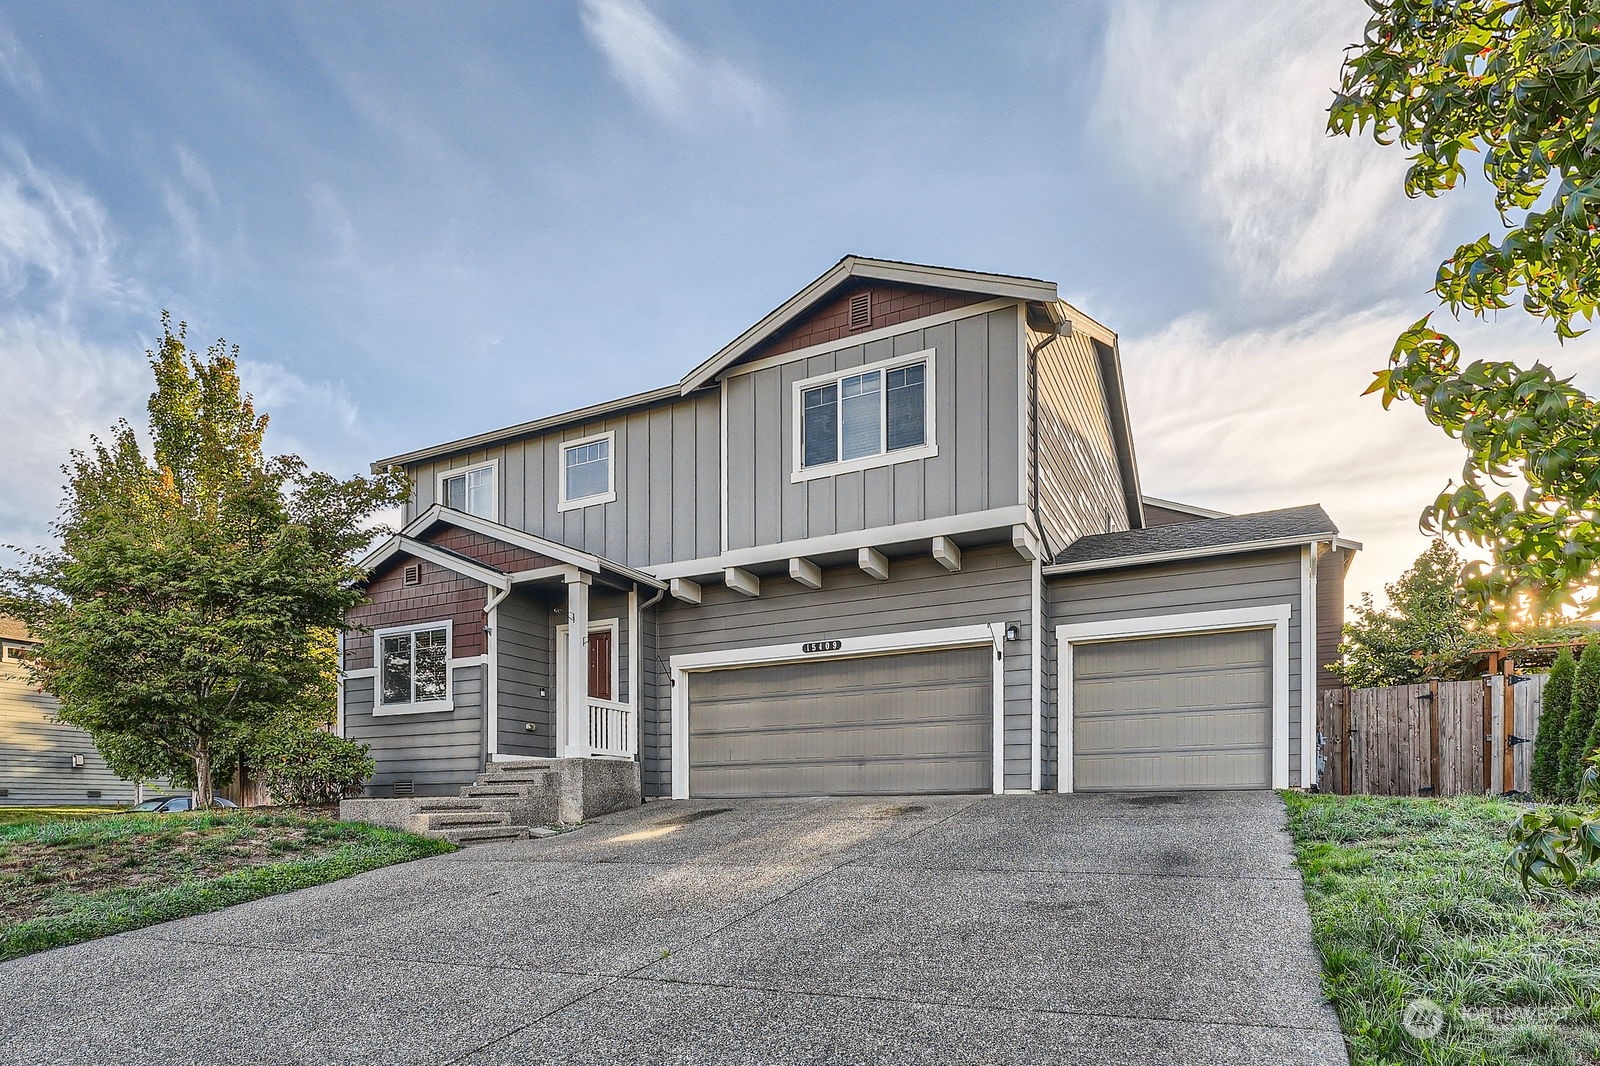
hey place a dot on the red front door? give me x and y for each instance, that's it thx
(600, 665)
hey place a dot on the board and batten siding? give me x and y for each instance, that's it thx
(1078, 481)
(36, 753)
(976, 413)
(991, 586)
(667, 464)
(1222, 583)
(523, 635)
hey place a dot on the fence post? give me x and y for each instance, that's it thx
(1508, 724)
(1435, 740)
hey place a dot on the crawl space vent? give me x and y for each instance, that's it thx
(93, 793)
(861, 310)
(413, 574)
(5, 792)
(403, 788)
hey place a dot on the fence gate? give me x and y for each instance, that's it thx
(1451, 738)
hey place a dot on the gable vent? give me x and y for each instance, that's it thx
(413, 575)
(403, 788)
(861, 310)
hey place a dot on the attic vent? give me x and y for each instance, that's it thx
(413, 575)
(403, 788)
(861, 310)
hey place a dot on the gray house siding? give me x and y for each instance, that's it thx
(1078, 483)
(992, 586)
(36, 753)
(437, 752)
(667, 473)
(975, 425)
(1224, 583)
(523, 634)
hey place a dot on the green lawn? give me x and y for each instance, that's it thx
(22, 815)
(1410, 899)
(69, 879)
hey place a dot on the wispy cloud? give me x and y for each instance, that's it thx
(17, 67)
(56, 240)
(1221, 109)
(664, 73)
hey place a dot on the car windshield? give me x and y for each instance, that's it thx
(148, 805)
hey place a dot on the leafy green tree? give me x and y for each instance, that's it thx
(1516, 82)
(179, 616)
(1423, 633)
(1580, 721)
(1546, 771)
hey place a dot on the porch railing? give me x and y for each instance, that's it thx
(612, 728)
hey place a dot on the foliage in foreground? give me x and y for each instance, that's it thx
(1423, 633)
(1555, 844)
(1515, 83)
(190, 604)
(311, 768)
(62, 882)
(1411, 899)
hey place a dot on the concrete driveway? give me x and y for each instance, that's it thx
(997, 929)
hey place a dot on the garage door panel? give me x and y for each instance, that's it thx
(1191, 711)
(910, 722)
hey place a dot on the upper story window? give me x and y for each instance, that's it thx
(588, 471)
(414, 668)
(866, 416)
(470, 490)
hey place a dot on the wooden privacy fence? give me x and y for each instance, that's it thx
(1445, 738)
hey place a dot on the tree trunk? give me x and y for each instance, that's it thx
(202, 776)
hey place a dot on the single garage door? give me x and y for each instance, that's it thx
(1192, 711)
(909, 722)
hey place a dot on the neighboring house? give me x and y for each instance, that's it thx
(890, 539)
(43, 761)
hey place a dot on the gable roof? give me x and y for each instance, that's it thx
(855, 266)
(1259, 531)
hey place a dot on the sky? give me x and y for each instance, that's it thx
(422, 221)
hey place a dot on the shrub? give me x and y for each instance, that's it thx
(1556, 844)
(1580, 721)
(312, 768)
(1547, 744)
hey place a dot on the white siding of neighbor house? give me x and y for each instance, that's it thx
(36, 753)
(1222, 583)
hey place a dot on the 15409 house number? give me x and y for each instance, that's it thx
(821, 645)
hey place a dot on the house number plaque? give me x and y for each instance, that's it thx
(821, 645)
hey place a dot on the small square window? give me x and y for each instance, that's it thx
(470, 490)
(588, 472)
(413, 666)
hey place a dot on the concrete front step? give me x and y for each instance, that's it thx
(448, 803)
(486, 835)
(533, 775)
(509, 790)
(463, 819)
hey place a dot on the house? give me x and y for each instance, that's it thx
(43, 761)
(889, 539)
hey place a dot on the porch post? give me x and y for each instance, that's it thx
(573, 741)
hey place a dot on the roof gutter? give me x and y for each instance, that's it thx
(1122, 562)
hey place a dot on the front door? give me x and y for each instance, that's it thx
(600, 665)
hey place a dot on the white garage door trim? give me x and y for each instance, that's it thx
(848, 648)
(1275, 616)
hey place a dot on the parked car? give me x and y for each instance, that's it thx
(174, 804)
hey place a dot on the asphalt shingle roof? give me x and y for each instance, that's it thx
(1308, 521)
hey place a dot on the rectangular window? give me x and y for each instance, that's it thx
(588, 475)
(413, 666)
(470, 490)
(863, 415)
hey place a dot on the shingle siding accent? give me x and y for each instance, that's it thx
(442, 594)
(487, 550)
(892, 304)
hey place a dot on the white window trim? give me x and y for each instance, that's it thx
(381, 709)
(493, 466)
(598, 625)
(608, 496)
(983, 634)
(926, 450)
(1272, 616)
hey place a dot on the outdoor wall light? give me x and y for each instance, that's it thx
(1013, 632)
(77, 760)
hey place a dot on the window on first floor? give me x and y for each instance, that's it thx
(413, 665)
(856, 416)
(588, 472)
(470, 490)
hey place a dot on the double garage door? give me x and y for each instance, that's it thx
(907, 722)
(1178, 712)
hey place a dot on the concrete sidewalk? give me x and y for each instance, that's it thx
(996, 929)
